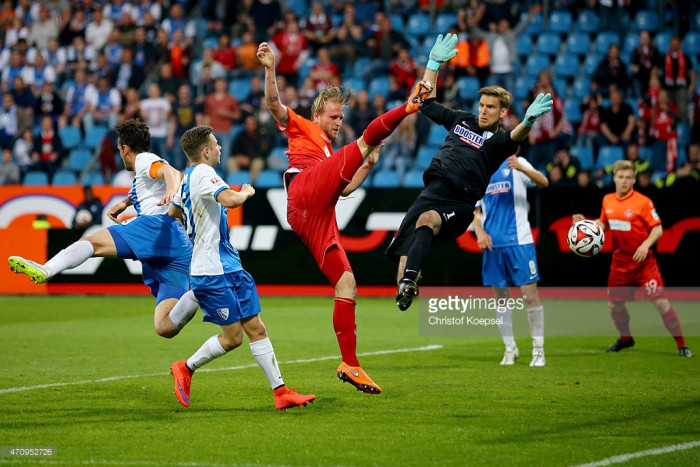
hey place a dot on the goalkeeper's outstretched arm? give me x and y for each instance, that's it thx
(443, 50)
(541, 105)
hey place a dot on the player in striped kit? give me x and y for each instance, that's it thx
(152, 237)
(225, 291)
(503, 232)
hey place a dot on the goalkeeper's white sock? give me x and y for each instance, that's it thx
(209, 351)
(505, 326)
(72, 256)
(184, 310)
(265, 356)
(535, 317)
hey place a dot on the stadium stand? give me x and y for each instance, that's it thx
(386, 179)
(269, 179)
(238, 178)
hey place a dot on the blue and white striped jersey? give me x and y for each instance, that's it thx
(206, 222)
(504, 207)
(147, 191)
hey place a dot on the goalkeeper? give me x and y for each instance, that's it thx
(459, 173)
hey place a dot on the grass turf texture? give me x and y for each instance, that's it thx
(450, 406)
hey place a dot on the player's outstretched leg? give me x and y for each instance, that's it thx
(286, 398)
(36, 272)
(182, 377)
(420, 93)
(408, 290)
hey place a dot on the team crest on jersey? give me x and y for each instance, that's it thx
(505, 172)
(628, 213)
(469, 136)
(223, 313)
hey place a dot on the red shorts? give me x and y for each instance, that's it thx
(627, 276)
(311, 199)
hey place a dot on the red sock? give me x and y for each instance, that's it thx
(622, 323)
(383, 126)
(674, 326)
(346, 329)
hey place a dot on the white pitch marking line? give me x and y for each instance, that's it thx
(240, 367)
(651, 452)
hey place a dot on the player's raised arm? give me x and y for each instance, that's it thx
(232, 199)
(443, 50)
(541, 105)
(172, 178)
(272, 96)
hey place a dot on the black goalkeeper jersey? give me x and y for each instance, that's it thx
(469, 156)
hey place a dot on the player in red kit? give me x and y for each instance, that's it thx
(634, 227)
(317, 177)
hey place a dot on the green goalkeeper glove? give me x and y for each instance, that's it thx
(541, 105)
(442, 51)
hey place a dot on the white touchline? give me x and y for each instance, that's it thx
(651, 452)
(230, 368)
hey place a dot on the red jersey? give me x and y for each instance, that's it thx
(291, 47)
(630, 219)
(308, 143)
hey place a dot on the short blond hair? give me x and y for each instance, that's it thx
(330, 94)
(624, 165)
(504, 97)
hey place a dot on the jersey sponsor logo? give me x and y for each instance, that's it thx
(623, 226)
(223, 313)
(498, 187)
(215, 181)
(654, 214)
(469, 136)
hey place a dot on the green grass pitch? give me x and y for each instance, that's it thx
(446, 400)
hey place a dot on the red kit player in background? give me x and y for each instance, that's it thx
(634, 227)
(318, 176)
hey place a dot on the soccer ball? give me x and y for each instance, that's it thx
(83, 217)
(585, 238)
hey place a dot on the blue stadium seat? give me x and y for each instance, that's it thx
(523, 85)
(437, 135)
(386, 179)
(560, 87)
(646, 20)
(238, 178)
(682, 157)
(36, 178)
(444, 22)
(658, 175)
(566, 65)
(239, 88)
(587, 22)
(360, 67)
(379, 85)
(304, 71)
(418, 24)
(535, 26)
(424, 156)
(603, 41)
(548, 43)
(277, 159)
(78, 159)
(662, 40)
(572, 111)
(535, 64)
(70, 136)
(468, 87)
(630, 43)
(269, 179)
(580, 88)
(560, 22)
(585, 156)
(396, 22)
(300, 7)
(607, 155)
(578, 43)
(645, 153)
(691, 43)
(92, 179)
(590, 63)
(94, 136)
(413, 179)
(683, 130)
(64, 177)
(210, 42)
(523, 45)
